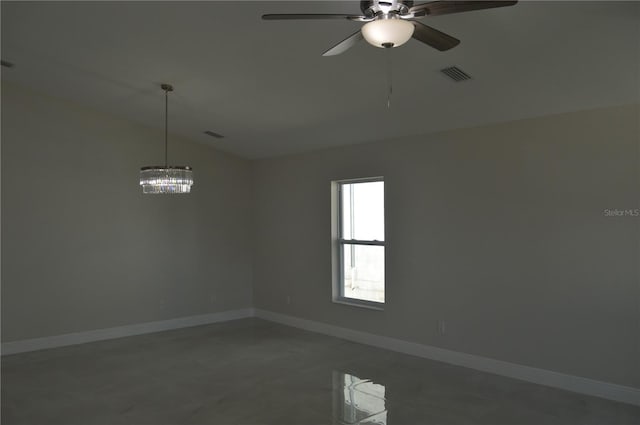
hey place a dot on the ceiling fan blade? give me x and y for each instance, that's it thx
(291, 16)
(345, 44)
(433, 37)
(435, 8)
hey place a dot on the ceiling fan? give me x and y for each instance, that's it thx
(391, 23)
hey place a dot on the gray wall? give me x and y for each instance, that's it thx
(498, 230)
(83, 249)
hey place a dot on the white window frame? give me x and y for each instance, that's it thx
(338, 243)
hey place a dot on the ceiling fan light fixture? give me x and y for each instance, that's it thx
(385, 33)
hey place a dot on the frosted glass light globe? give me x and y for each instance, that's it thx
(393, 31)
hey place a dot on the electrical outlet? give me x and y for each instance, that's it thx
(442, 327)
(288, 299)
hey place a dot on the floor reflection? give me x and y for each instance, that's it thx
(358, 401)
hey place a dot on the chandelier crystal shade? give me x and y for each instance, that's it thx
(158, 179)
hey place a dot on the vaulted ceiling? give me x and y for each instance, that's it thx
(266, 87)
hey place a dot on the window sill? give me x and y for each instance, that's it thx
(361, 304)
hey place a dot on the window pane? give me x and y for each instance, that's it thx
(363, 272)
(363, 211)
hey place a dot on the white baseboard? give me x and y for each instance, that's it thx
(526, 373)
(121, 331)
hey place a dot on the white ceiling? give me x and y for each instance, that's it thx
(266, 87)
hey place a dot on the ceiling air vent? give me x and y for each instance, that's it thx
(456, 74)
(212, 134)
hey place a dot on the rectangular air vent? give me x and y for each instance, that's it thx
(456, 74)
(212, 134)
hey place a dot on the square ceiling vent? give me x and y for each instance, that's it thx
(456, 74)
(212, 134)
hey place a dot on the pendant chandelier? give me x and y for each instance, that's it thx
(166, 179)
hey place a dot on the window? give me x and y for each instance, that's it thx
(359, 242)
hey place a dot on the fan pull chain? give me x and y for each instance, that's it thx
(389, 78)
